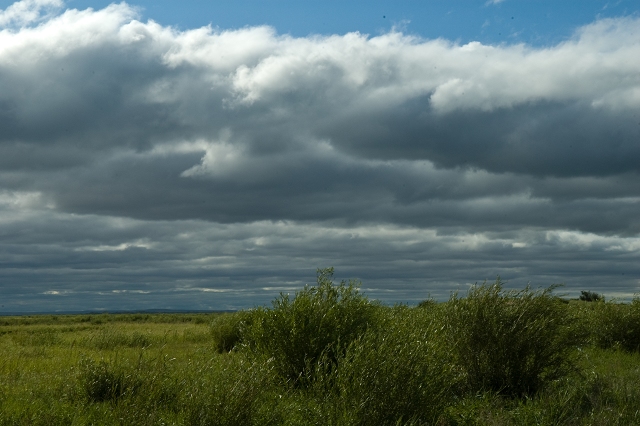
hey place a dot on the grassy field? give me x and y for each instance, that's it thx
(329, 356)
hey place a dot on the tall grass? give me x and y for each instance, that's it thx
(110, 338)
(233, 391)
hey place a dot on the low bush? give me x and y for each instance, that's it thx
(321, 320)
(101, 381)
(226, 330)
(427, 303)
(591, 296)
(400, 373)
(617, 325)
(511, 342)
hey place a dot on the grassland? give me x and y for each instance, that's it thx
(330, 356)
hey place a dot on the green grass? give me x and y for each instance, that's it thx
(329, 356)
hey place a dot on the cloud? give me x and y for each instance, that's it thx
(195, 264)
(25, 12)
(277, 153)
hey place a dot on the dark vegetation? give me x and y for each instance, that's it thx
(313, 329)
(591, 296)
(329, 356)
(511, 343)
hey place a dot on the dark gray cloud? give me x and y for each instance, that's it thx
(55, 260)
(142, 166)
(538, 138)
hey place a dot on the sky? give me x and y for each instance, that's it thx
(201, 155)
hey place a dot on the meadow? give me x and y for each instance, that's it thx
(329, 356)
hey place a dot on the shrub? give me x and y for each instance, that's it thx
(427, 303)
(100, 381)
(134, 385)
(617, 325)
(591, 296)
(323, 319)
(511, 342)
(398, 373)
(226, 330)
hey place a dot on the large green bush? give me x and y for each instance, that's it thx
(511, 342)
(321, 320)
(400, 373)
(617, 325)
(226, 330)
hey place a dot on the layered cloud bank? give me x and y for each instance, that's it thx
(138, 161)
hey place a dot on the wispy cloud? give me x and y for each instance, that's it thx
(29, 11)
